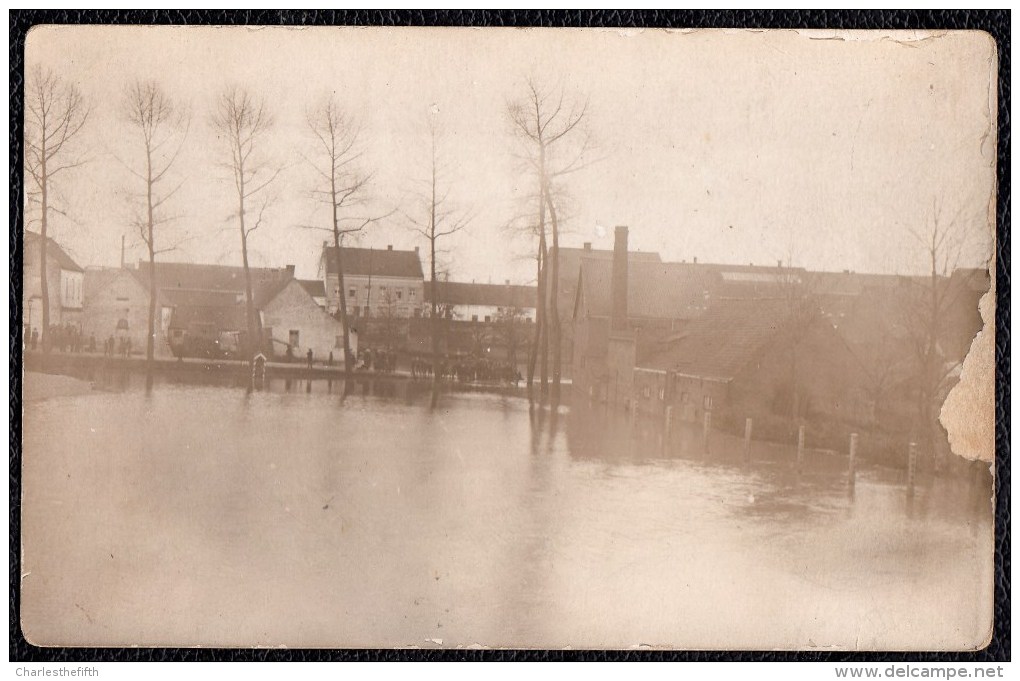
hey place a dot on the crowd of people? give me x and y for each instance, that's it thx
(382, 361)
(69, 338)
(467, 370)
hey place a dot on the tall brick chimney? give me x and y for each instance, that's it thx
(619, 281)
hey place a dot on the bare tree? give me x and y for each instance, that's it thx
(436, 219)
(55, 112)
(161, 126)
(926, 311)
(342, 185)
(555, 142)
(530, 223)
(242, 122)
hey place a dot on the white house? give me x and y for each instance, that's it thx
(376, 282)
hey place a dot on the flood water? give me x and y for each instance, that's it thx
(200, 514)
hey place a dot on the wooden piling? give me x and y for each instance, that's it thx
(800, 448)
(747, 440)
(852, 467)
(911, 467)
(706, 427)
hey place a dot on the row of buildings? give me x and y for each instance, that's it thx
(778, 344)
(201, 308)
(733, 340)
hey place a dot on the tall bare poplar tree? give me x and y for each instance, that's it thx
(55, 112)
(550, 129)
(340, 184)
(160, 128)
(435, 219)
(242, 122)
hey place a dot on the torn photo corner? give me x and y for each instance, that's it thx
(544, 338)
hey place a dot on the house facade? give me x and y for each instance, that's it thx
(293, 322)
(485, 303)
(202, 310)
(116, 306)
(65, 283)
(377, 282)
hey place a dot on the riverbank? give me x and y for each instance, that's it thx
(92, 364)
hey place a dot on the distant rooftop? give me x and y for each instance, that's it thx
(378, 262)
(494, 295)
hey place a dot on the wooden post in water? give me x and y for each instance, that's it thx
(706, 427)
(800, 448)
(747, 440)
(911, 467)
(852, 472)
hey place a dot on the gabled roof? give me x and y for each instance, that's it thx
(221, 317)
(315, 287)
(96, 279)
(54, 251)
(720, 343)
(494, 295)
(187, 281)
(375, 262)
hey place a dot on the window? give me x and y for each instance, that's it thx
(410, 294)
(400, 294)
(708, 402)
(662, 394)
(646, 392)
(474, 318)
(294, 337)
(352, 293)
(488, 318)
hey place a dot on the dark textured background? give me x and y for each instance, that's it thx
(995, 22)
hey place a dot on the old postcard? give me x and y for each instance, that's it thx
(406, 337)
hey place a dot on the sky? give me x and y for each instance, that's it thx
(829, 150)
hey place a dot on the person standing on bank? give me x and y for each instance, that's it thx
(309, 358)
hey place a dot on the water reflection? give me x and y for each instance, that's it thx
(292, 516)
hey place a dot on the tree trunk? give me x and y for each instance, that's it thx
(254, 330)
(556, 336)
(544, 345)
(348, 358)
(533, 349)
(44, 288)
(434, 320)
(150, 340)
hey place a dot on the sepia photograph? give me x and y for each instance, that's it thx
(500, 338)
